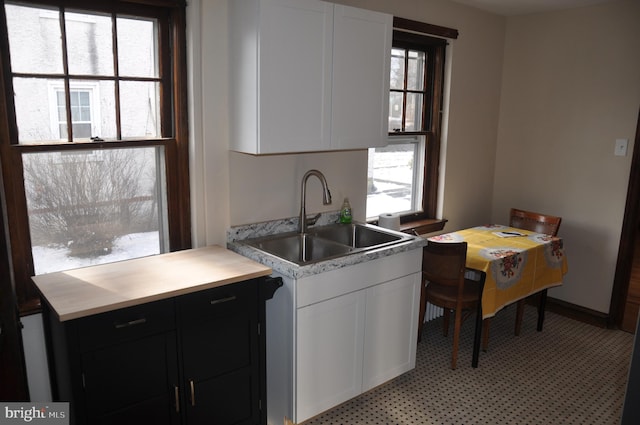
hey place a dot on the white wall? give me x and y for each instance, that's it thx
(571, 87)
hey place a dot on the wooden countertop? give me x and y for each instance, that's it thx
(97, 289)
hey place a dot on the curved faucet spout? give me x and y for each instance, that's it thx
(326, 198)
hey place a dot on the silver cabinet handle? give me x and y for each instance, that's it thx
(223, 300)
(130, 323)
(176, 393)
(193, 392)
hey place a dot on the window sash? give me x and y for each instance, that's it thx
(378, 200)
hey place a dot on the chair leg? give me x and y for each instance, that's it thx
(519, 315)
(486, 324)
(456, 337)
(446, 319)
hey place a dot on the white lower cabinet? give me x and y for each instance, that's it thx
(335, 335)
(390, 331)
(329, 353)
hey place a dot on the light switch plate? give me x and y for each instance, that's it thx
(621, 147)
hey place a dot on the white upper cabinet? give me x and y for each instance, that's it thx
(361, 67)
(307, 75)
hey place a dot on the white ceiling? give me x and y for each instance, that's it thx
(523, 7)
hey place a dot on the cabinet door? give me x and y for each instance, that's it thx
(295, 75)
(390, 330)
(133, 382)
(329, 353)
(219, 330)
(361, 64)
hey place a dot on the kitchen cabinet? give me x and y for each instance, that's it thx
(194, 359)
(308, 75)
(340, 333)
(352, 343)
(220, 355)
(329, 353)
(120, 366)
(194, 356)
(390, 330)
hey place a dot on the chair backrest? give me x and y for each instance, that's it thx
(536, 222)
(443, 263)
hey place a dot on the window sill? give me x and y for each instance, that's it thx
(421, 227)
(30, 307)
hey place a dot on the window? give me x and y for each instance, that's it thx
(83, 122)
(95, 155)
(403, 176)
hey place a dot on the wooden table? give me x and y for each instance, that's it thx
(514, 264)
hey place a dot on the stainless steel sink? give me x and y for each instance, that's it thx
(301, 248)
(357, 235)
(327, 242)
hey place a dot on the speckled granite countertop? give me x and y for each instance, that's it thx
(237, 234)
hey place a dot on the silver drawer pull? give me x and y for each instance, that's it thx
(131, 323)
(223, 300)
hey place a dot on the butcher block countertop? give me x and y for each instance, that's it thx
(97, 289)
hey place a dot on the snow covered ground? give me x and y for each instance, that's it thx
(53, 259)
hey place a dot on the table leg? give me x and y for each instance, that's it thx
(477, 336)
(541, 307)
(478, 331)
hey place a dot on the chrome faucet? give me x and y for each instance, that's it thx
(326, 199)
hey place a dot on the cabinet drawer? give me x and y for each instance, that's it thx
(218, 302)
(124, 324)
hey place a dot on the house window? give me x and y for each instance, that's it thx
(80, 104)
(82, 111)
(403, 176)
(95, 156)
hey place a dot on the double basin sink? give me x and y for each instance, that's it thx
(327, 242)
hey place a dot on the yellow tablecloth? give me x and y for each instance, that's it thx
(515, 266)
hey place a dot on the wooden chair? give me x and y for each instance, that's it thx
(443, 268)
(539, 223)
(535, 222)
